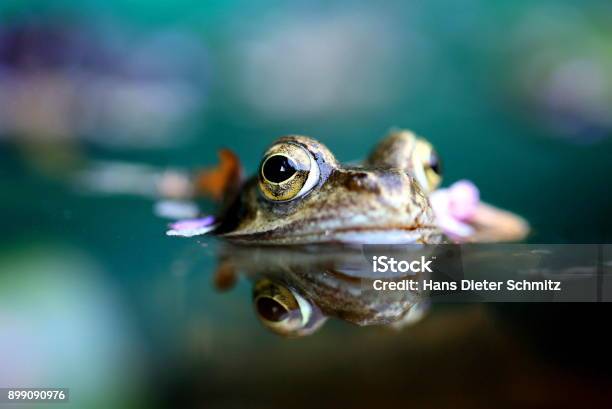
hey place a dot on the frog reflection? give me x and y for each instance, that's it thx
(295, 290)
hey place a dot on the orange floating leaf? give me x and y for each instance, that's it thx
(221, 180)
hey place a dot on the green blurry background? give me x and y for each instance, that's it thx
(516, 96)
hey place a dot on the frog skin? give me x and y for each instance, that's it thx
(303, 195)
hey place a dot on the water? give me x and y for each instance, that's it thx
(95, 297)
(124, 315)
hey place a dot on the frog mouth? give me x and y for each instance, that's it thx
(393, 235)
(341, 235)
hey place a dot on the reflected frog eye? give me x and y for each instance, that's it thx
(427, 166)
(271, 310)
(287, 172)
(284, 311)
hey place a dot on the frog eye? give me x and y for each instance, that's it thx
(284, 311)
(427, 166)
(287, 172)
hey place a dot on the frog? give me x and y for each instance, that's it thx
(279, 225)
(301, 194)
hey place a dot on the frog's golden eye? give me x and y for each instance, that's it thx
(287, 172)
(284, 311)
(427, 165)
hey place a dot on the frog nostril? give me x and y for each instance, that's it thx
(270, 309)
(362, 182)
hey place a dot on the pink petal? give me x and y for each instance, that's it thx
(455, 206)
(192, 227)
(464, 199)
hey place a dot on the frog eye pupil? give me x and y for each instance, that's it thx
(434, 163)
(278, 168)
(271, 310)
